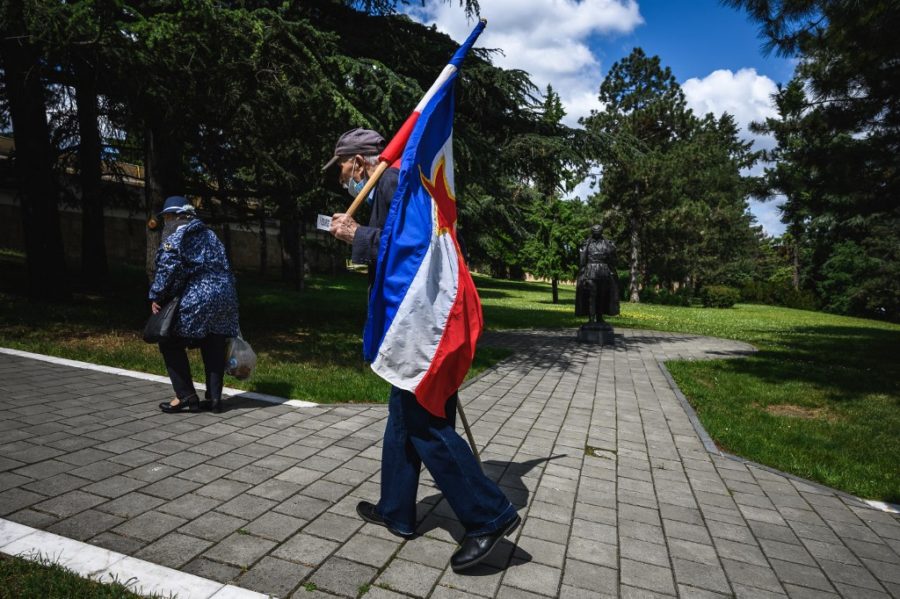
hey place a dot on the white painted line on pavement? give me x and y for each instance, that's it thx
(297, 403)
(94, 562)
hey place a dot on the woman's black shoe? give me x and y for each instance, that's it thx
(191, 403)
(216, 405)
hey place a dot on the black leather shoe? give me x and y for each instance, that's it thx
(192, 404)
(476, 549)
(368, 512)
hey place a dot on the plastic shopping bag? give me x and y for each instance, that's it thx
(240, 359)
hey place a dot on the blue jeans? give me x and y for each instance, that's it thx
(414, 436)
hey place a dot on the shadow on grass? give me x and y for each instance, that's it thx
(850, 362)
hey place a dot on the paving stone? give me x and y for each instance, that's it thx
(135, 458)
(117, 543)
(223, 489)
(688, 592)
(42, 470)
(593, 552)
(644, 551)
(247, 506)
(252, 474)
(85, 457)
(277, 490)
(546, 530)
(212, 526)
(409, 578)
(343, 577)
(151, 473)
(334, 527)
(113, 487)
(69, 504)
(582, 575)
(170, 488)
(306, 549)
(131, 505)
(300, 476)
(274, 576)
(149, 526)
(371, 551)
(85, 525)
(535, 577)
(275, 526)
(173, 550)
(183, 460)
(204, 473)
(32, 518)
(211, 570)
(56, 485)
(189, 506)
(748, 575)
(303, 507)
(647, 576)
(240, 549)
(705, 576)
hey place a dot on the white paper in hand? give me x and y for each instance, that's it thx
(323, 223)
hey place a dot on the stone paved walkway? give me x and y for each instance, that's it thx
(618, 494)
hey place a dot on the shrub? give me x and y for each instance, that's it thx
(778, 293)
(719, 296)
(681, 297)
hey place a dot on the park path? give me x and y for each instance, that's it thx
(620, 495)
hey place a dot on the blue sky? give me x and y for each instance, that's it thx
(713, 51)
(695, 38)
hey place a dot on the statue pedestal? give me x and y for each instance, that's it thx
(600, 333)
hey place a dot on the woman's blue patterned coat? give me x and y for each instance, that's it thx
(192, 263)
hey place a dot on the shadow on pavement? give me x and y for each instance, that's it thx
(509, 475)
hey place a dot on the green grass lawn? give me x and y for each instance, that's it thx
(820, 399)
(24, 579)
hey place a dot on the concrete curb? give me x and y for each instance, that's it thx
(102, 565)
(712, 448)
(238, 393)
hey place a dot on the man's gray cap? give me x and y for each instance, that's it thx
(357, 141)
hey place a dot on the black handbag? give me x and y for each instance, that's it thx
(160, 325)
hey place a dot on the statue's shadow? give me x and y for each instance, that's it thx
(439, 515)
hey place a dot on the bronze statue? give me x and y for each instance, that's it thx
(597, 288)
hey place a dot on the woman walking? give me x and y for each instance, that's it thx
(191, 265)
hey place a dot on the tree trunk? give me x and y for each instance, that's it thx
(162, 178)
(263, 242)
(290, 249)
(45, 256)
(301, 255)
(795, 246)
(94, 266)
(634, 264)
(554, 283)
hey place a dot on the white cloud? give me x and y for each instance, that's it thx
(549, 39)
(768, 215)
(746, 95)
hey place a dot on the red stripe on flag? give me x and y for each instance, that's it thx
(456, 348)
(394, 149)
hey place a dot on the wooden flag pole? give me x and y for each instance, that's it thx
(379, 170)
(465, 423)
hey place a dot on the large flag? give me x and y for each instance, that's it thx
(424, 313)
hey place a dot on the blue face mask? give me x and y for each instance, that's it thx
(354, 187)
